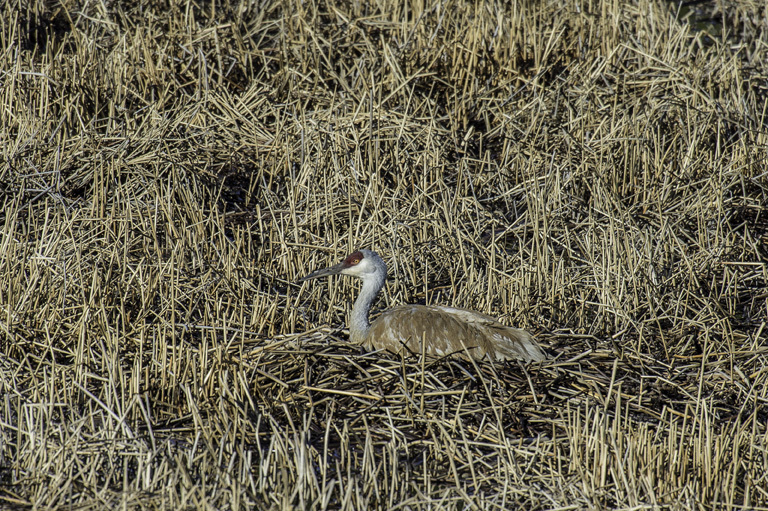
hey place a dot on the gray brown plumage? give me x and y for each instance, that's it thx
(444, 330)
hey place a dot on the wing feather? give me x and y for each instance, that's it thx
(447, 330)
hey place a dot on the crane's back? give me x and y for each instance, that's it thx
(447, 330)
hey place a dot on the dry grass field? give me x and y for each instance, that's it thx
(594, 172)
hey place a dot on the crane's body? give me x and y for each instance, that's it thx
(443, 330)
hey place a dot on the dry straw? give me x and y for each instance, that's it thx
(592, 172)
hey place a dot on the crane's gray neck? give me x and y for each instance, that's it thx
(359, 324)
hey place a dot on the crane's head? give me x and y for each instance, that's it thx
(363, 264)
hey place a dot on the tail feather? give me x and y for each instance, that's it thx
(517, 344)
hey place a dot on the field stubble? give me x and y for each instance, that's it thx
(595, 173)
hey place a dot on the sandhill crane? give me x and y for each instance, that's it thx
(445, 330)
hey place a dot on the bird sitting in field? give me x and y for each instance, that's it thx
(444, 330)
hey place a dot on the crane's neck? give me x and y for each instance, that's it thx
(359, 324)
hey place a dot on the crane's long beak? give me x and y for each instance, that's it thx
(331, 270)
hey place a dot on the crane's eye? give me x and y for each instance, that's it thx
(355, 261)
